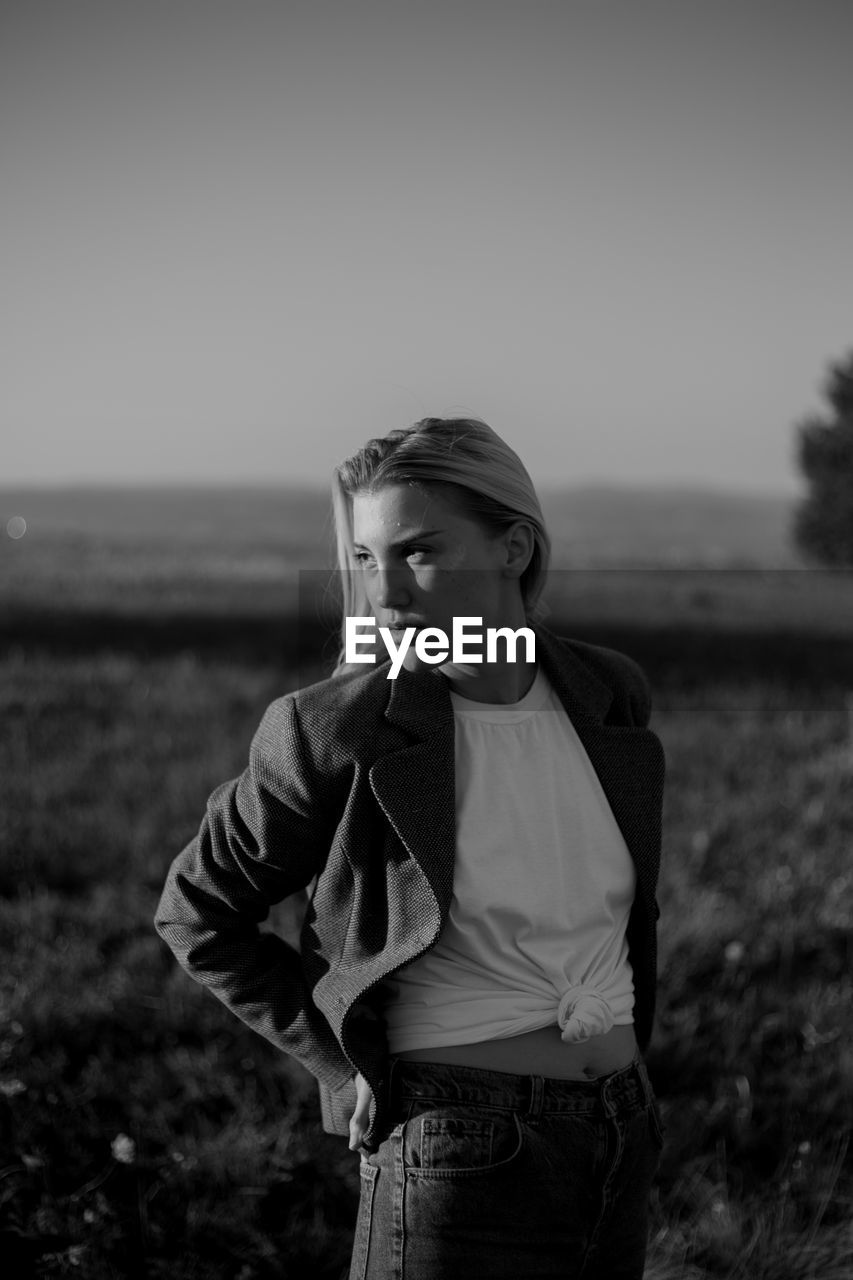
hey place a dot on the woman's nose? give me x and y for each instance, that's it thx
(389, 590)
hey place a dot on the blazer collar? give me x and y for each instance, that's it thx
(579, 689)
(420, 702)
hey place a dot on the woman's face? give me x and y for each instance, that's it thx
(425, 562)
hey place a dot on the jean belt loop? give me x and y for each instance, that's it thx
(643, 1076)
(607, 1105)
(389, 1083)
(537, 1099)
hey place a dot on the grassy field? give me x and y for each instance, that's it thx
(144, 1132)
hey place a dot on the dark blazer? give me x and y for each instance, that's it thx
(350, 789)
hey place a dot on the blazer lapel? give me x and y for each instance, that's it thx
(415, 785)
(629, 761)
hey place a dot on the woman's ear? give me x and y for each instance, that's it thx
(518, 543)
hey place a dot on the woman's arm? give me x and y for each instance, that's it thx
(262, 839)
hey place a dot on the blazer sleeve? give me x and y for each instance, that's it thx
(261, 839)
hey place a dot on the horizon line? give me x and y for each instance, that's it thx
(320, 489)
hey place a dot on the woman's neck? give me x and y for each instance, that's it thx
(497, 682)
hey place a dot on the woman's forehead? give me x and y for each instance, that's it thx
(398, 508)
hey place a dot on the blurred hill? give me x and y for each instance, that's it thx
(591, 526)
(666, 575)
(678, 528)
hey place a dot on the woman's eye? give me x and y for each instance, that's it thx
(365, 557)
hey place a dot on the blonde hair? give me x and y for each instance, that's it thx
(488, 481)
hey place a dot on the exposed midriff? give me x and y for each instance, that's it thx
(541, 1053)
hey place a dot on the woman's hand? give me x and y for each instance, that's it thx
(360, 1120)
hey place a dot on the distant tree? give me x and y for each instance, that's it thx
(823, 523)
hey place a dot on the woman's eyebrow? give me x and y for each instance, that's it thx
(406, 539)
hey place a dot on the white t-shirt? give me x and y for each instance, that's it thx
(543, 886)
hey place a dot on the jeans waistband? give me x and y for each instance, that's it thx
(626, 1089)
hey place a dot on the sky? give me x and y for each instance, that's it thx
(239, 239)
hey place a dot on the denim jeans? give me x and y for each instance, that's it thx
(485, 1175)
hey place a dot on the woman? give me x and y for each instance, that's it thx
(476, 974)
